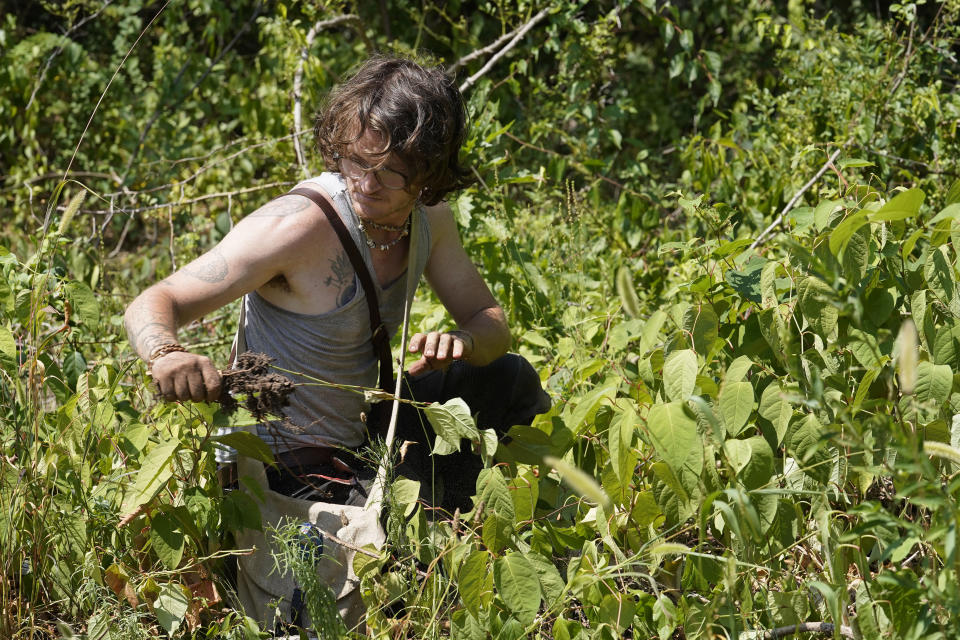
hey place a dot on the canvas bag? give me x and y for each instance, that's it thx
(264, 593)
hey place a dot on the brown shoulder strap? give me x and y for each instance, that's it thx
(381, 341)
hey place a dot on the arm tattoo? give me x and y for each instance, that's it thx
(281, 208)
(341, 278)
(210, 267)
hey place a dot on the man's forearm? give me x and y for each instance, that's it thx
(490, 335)
(151, 322)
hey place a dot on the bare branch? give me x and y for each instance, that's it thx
(825, 628)
(522, 31)
(798, 194)
(179, 203)
(298, 80)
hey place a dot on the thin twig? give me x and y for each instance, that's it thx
(298, 80)
(483, 51)
(58, 49)
(522, 31)
(798, 194)
(46, 221)
(164, 205)
(807, 627)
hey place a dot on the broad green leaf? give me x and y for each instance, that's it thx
(167, 540)
(841, 234)
(865, 348)
(901, 206)
(496, 533)
(738, 369)
(673, 499)
(588, 405)
(405, 492)
(475, 582)
(953, 193)
(153, 474)
(580, 481)
(651, 329)
(950, 212)
(518, 585)
(736, 403)
(768, 289)
(823, 213)
(8, 351)
(816, 301)
(946, 345)
(752, 460)
(775, 408)
(551, 583)
(525, 491)
(627, 293)
(680, 374)
(246, 444)
(748, 281)
(620, 442)
(452, 421)
(493, 492)
(856, 255)
(863, 388)
(86, 309)
(675, 437)
(665, 616)
(934, 382)
(171, 606)
(702, 323)
(939, 273)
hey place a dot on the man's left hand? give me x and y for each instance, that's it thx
(439, 350)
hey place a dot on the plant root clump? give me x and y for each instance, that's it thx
(263, 392)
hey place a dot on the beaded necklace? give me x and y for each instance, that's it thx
(404, 230)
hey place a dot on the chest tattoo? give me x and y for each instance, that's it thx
(341, 278)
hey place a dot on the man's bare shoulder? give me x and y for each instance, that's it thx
(290, 219)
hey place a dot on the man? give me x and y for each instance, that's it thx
(391, 135)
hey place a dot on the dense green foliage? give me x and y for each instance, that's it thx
(753, 427)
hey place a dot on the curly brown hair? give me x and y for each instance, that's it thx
(419, 112)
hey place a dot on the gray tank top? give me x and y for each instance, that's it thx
(333, 347)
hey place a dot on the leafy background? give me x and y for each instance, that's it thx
(725, 233)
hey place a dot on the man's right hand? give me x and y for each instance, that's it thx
(186, 376)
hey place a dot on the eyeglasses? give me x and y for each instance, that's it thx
(354, 169)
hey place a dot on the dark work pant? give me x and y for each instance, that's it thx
(505, 393)
(500, 395)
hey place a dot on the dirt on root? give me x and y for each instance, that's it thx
(263, 393)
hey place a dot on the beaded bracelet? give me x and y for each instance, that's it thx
(162, 350)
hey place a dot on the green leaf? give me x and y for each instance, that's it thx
(620, 442)
(475, 582)
(680, 374)
(452, 421)
(816, 303)
(551, 583)
(518, 585)
(588, 405)
(493, 492)
(525, 491)
(823, 213)
(171, 606)
(950, 212)
(775, 408)
(865, 348)
(940, 274)
(738, 369)
(405, 492)
(903, 205)
(86, 309)
(665, 616)
(153, 474)
(167, 540)
(702, 323)
(674, 435)
(246, 444)
(752, 460)
(651, 329)
(736, 403)
(8, 351)
(841, 234)
(946, 345)
(768, 289)
(627, 293)
(496, 533)
(856, 255)
(934, 382)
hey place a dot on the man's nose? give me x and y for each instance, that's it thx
(369, 183)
